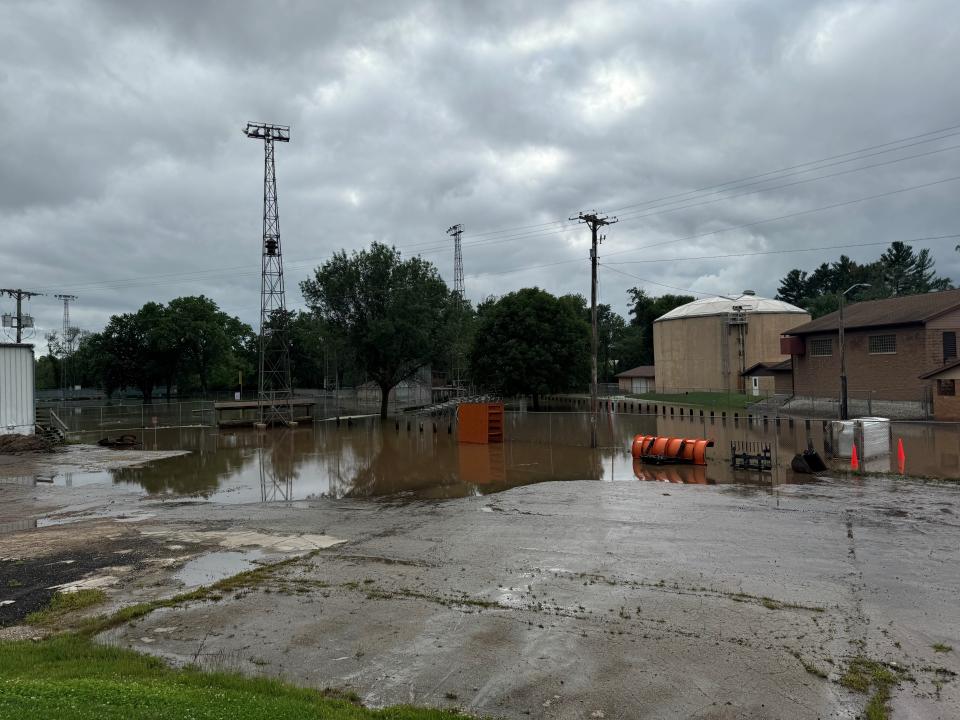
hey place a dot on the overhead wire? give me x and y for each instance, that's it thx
(430, 247)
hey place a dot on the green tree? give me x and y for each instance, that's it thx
(47, 373)
(128, 349)
(390, 312)
(610, 329)
(530, 343)
(793, 288)
(631, 348)
(645, 310)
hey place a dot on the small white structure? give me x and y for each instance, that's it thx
(17, 401)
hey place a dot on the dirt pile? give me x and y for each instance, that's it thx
(13, 444)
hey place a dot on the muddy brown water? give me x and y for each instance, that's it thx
(422, 458)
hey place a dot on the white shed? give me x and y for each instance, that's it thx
(17, 401)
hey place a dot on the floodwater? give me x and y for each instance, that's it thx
(420, 458)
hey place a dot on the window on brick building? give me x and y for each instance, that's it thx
(949, 345)
(821, 347)
(946, 387)
(882, 344)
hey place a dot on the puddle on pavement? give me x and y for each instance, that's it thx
(216, 566)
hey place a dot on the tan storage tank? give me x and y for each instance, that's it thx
(705, 345)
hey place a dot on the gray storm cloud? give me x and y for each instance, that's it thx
(125, 176)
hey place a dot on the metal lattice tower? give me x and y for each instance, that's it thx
(67, 339)
(275, 392)
(457, 351)
(456, 231)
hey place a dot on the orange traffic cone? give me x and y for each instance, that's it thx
(854, 460)
(901, 456)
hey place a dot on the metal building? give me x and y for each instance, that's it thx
(17, 401)
(706, 345)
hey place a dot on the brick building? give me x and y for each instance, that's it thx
(892, 347)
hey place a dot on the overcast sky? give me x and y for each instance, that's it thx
(126, 177)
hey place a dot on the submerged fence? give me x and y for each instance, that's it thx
(132, 417)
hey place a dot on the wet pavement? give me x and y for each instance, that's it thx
(470, 582)
(562, 600)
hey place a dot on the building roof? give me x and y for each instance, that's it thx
(722, 305)
(905, 310)
(766, 369)
(943, 368)
(641, 371)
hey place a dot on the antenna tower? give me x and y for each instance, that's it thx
(67, 342)
(455, 231)
(275, 392)
(456, 360)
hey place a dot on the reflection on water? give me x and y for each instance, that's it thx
(371, 459)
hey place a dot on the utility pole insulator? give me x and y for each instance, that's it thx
(21, 320)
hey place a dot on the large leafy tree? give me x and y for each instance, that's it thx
(530, 342)
(391, 313)
(610, 331)
(129, 349)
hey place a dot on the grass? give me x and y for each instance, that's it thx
(862, 675)
(70, 678)
(64, 603)
(941, 648)
(723, 401)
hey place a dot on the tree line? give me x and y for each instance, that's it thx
(374, 316)
(898, 271)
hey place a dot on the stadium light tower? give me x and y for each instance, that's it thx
(274, 392)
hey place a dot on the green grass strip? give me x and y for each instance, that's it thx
(68, 677)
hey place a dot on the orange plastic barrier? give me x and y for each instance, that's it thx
(480, 423)
(655, 449)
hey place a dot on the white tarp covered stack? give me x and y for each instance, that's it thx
(872, 435)
(17, 402)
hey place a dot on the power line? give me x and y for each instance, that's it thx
(784, 251)
(176, 277)
(656, 282)
(812, 162)
(900, 142)
(641, 214)
(799, 213)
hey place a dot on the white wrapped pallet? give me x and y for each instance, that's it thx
(843, 438)
(873, 435)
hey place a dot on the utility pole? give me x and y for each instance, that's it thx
(594, 221)
(275, 391)
(844, 410)
(67, 342)
(19, 321)
(455, 231)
